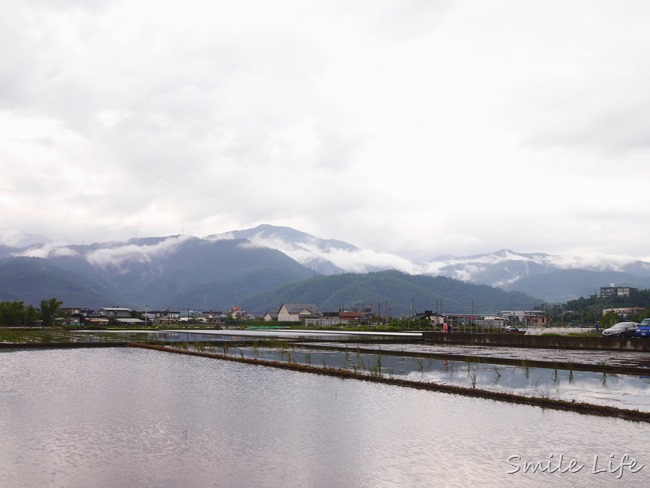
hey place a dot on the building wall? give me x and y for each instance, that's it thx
(285, 316)
(323, 321)
(621, 291)
(624, 312)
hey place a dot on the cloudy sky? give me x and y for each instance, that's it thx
(411, 126)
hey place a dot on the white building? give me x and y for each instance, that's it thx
(296, 312)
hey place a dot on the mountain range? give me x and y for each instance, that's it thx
(262, 267)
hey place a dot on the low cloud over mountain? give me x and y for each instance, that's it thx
(222, 269)
(505, 269)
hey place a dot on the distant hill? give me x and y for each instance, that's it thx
(174, 272)
(402, 291)
(562, 285)
(6, 251)
(310, 251)
(552, 278)
(291, 236)
(31, 280)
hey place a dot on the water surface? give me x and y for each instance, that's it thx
(131, 417)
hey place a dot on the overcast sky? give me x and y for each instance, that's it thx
(418, 127)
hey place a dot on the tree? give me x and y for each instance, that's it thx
(31, 315)
(609, 319)
(12, 314)
(50, 311)
(642, 315)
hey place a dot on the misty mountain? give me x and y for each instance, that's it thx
(291, 237)
(31, 280)
(554, 279)
(549, 277)
(170, 272)
(563, 285)
(6, 251)
(310, 251)
(223, 270)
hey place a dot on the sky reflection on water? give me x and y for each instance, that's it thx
(618, 390)
(129, 417)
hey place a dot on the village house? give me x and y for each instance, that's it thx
(271, 316)
(536, 318)
(297, 312)
(528, 318)
(213, 316)
(161, 317)
(327, 319)
(94, 321)
(435, 318)
(76, 316)
(476, 320)
(116, 312)
(237, 313)
(624, 313)
(353, 317)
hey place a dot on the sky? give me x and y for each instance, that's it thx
(423, 128)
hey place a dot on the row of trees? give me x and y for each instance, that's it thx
(16, 314)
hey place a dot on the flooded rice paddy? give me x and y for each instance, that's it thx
(134, 417)
(602, 378)
(627, 391)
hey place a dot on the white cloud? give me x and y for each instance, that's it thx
(412, 127)
(351, 260)
(116, 256)
(47, 250)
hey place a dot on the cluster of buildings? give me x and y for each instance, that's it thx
(134, 318)
(310, 315)
(520, 318)
(307, 314)
(620, 291)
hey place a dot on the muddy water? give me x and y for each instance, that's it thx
(131, 417)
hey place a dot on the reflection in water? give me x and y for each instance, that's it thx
(131, 417)
(618, 390)
(234, 335)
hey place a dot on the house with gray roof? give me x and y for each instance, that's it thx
(297, 312)
(271, 315)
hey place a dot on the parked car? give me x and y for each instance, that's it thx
(643, 330)
(622, 329)
(630, 332)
